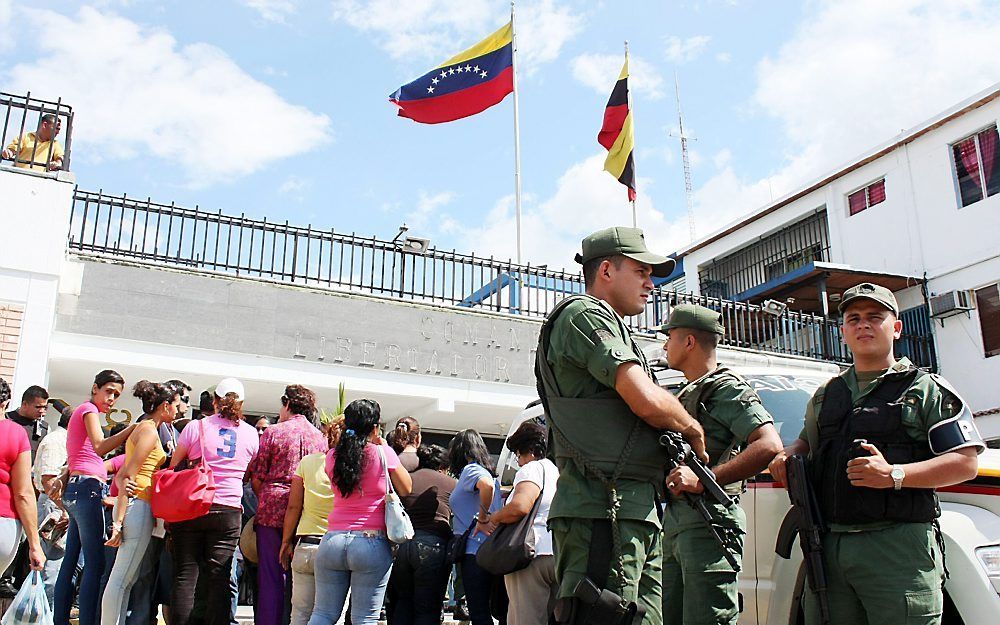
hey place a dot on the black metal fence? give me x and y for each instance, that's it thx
(169, 235)
(772, 256)
(24, 118)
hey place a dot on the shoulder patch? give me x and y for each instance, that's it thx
(748, 397)
(600, 335)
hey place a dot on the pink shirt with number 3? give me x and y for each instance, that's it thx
(229, 448)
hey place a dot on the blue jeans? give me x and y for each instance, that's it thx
(478, 584)
(419, 580)
(140, 600)
(83, 501)
(136, 534)
(358, 561)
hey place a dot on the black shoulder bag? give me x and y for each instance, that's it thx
(511, 547)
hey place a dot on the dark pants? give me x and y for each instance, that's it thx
(418, 581)
(478, 585)
(83, 500)
(203, 549)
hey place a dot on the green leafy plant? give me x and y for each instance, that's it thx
(327, 416)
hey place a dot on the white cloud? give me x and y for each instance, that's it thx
(722, 158)
(428, 207)
(853, 74)
(295, 186)
(433, 30)
(723, 57)
(272, 10)
(686, 50)
(135, 91)
(599, 72)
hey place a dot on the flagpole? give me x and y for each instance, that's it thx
(631, 111)
(517, 135)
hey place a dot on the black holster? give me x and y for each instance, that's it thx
(590, 605)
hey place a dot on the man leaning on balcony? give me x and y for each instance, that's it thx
(39, 150)
(881, 437)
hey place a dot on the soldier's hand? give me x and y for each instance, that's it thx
(870, 471)
(777, 467)
(683, 480)
(695, 437)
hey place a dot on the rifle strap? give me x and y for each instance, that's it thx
(599, 556)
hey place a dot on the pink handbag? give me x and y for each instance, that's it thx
(182, 495)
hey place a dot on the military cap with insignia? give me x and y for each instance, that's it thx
(874, 292)
(628, 242)
(694, 317)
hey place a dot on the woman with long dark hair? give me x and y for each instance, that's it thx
(83, 498)
(475, 497)
(205, 546)
(132, 529)
(355, 554)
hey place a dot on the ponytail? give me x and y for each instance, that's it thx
(360, 418)
(153, 394)
(230, 407)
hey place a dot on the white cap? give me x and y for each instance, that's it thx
(230, 385)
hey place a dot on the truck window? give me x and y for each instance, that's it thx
(785, 397)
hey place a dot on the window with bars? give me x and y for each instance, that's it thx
(866, 197)
(988, 303)
(977, 168)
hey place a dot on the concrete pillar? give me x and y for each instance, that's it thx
(34, 219)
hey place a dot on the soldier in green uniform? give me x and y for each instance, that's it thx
(699, 584)
(604, 413)
(880, 438)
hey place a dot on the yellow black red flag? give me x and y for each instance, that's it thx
(617, 135)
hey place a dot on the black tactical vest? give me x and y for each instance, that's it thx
(878, 419)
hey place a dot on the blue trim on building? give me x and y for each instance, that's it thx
(781, 280)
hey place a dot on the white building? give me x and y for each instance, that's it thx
(919, 214)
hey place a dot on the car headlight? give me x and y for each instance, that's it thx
(989, 557)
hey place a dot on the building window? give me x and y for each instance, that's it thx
(867, 197)
(988, 303)
(977, 167)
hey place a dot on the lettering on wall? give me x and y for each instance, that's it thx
(491, 350)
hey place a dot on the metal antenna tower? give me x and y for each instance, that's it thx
(685, 158)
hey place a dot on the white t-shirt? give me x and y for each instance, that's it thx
(535, 472)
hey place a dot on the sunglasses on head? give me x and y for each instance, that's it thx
(185, 399)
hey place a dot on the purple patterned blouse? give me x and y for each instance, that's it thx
(282, 446)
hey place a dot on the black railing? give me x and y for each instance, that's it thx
(23, 115)
(772, 256)
(168, 235)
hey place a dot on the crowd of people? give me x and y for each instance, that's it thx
(301, 498)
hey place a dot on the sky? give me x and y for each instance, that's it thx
(279, 108)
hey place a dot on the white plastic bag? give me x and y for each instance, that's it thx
(30, 607)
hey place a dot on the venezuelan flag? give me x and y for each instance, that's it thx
(617, 135)
(464, 85)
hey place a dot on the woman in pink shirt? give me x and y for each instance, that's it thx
(355, 554)
(17, 495)
(205, 546)
(83, 499)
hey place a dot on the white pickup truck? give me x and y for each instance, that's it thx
(770, 586)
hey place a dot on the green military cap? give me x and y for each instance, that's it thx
(627, 242)
(694, 317)
(874, 292)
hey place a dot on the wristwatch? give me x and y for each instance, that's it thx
(897, 474)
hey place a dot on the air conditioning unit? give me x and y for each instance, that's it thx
(950, 303)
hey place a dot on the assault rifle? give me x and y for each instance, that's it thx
(679, 452)
(805, 520)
